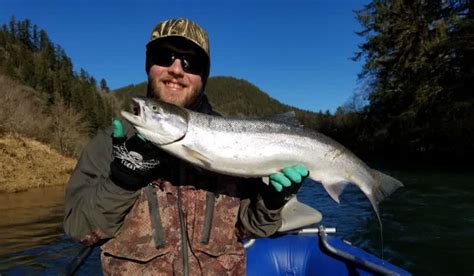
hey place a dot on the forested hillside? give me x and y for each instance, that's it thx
(42, 97)
(28, 56)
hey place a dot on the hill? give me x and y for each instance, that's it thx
(238, 97)
(28, 56)
(26, 112)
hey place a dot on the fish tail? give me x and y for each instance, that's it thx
(385, 185)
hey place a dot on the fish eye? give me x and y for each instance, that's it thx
(155, 108)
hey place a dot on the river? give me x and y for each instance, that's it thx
(428, 226)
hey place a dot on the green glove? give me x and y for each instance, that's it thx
(119, 132)
(118, 129)
(289, 178)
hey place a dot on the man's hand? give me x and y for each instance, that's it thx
(290, 178)
(135, 160)
(283, 185)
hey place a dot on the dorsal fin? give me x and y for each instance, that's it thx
(288, 118)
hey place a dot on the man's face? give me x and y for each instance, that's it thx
(169, 79)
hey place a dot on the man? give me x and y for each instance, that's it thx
(153, 213)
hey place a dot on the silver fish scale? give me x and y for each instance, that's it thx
(234, 138)
(239, 125)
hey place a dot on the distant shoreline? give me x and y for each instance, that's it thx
(26, 163)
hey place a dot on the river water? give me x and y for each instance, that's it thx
(428, 226)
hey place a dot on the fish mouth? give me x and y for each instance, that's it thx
(137, 117)
(135, 107)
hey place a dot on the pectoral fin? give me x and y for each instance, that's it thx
(197, 155)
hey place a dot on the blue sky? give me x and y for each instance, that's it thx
(299, 52)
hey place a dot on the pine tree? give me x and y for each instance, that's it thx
(412, 68)
(103, 86)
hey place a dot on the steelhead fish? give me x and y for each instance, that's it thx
(256, 148)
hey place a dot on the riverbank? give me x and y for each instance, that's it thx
(26, 163)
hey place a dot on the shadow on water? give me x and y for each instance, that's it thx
(427, 225)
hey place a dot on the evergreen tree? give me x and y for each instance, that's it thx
(414, 64)
(103, 86)
(12, 25)
(36, 38)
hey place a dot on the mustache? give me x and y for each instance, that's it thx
(153, 85)
(180, 81)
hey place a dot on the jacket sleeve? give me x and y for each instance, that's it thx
(94, 206)
(260, 209)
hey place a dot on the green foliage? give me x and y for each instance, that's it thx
(419, 73)
(29, 56)
(103, 86)
(24, 112)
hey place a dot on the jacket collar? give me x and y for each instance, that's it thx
(203, 105)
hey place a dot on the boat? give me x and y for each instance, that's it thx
(312, 251)
(299, 250)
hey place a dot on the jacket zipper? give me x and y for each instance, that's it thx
(182, 224)
(156, 226)
(206, 229)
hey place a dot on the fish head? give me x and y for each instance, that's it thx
(159, 122)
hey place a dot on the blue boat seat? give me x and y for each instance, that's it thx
(286, 254)
(283, 255)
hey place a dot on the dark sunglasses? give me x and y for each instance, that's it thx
(191, 63)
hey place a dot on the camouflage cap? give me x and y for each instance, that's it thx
(181, 27)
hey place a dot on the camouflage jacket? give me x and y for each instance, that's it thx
(202, 216)
(147, 228)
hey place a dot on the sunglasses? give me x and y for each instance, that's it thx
(191, 63)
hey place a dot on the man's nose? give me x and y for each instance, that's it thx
(176, 67)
